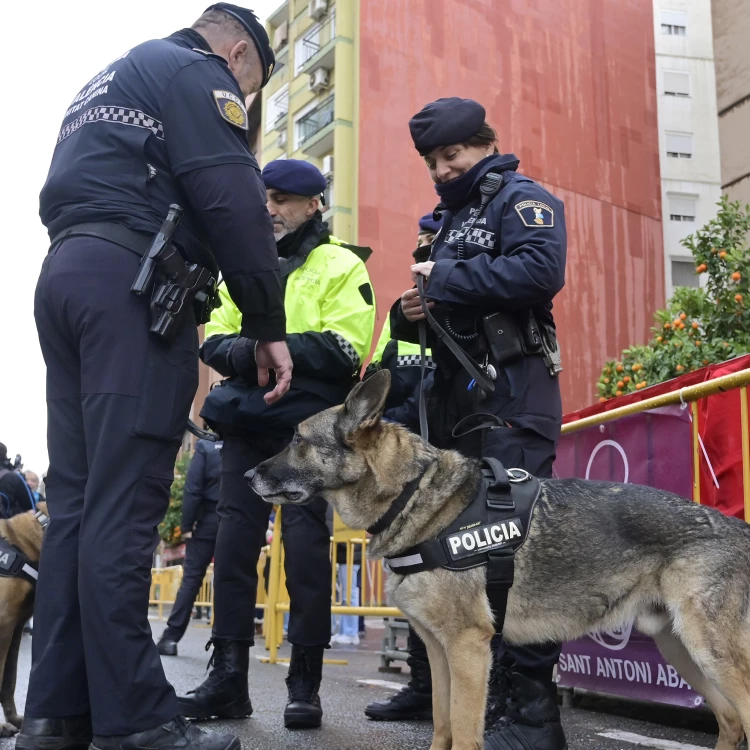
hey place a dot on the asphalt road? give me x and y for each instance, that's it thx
(346, 690)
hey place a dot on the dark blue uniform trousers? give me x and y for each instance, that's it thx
(199, 551)
(242, 534)
(118, 400)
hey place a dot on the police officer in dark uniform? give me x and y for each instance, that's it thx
(199, 526)
(495, 267)
(164, 123)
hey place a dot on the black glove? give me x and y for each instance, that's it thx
(422, 254)
(242, 357)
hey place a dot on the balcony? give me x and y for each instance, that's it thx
(317, 47)
(315, 129)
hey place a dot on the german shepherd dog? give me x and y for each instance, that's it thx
(25, 533)
(597, 556)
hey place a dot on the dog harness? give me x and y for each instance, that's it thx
(489, 531)
(13, 563)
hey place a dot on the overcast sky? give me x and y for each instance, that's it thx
(50, 51)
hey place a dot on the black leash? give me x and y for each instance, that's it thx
(202, 434)
(481, 377)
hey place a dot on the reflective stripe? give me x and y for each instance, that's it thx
(30, 571)
(402, 562)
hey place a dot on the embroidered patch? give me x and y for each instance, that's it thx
(535, 214)
(231, 108)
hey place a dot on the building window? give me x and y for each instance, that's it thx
(681, 208)
(313, 122)
(683, 273)
(317, 36)
(277, 107)
(674, 22)
(679, 145)
(676, 84)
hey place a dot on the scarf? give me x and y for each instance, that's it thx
(457, 192)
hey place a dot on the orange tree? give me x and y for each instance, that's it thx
(169, 528)
(699, 326)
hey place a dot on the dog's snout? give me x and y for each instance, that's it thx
(250, 475)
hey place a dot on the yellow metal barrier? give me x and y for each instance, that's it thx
(165, 583)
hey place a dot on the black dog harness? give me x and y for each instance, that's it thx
(489, 531)
(13, 563)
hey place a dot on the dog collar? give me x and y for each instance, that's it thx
(397, 506)
(43, 518)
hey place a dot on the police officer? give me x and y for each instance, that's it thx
(199, 526)
(164, 123)
(495, 267)
(330, 318)
(401, 357)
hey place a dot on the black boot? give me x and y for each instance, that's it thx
(167, 645)
(177, 734)
(73, 733)
(498, 693)
(532, 720)
(412, 702)
(223, 694)
(305, 673)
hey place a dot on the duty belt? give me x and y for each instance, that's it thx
(488, 532)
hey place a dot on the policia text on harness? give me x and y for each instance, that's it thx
(488, 532)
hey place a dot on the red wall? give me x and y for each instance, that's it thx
(570, 88)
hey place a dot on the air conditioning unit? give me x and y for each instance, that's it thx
(281, 140)
(328, 165)
(280, 36)
(319, 79)
(317, 9)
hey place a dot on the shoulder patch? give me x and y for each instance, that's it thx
(231, 108)
(535, 214)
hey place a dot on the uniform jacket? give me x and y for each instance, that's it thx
(515, 261)
(201, 491)
(330, 311)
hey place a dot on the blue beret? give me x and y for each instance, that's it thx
(428, 224)
(255, 30)
(444, 122)
(294, 176)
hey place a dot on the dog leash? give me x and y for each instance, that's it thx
(481, 378)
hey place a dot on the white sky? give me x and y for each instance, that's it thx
(50, 51)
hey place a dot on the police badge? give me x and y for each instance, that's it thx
(231, 108)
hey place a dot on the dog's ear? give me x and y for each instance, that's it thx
(365, 404)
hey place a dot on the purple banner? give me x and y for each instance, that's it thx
(654, 449)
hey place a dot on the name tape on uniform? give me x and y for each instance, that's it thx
(231, 108)
(484, 538)
(535, 214)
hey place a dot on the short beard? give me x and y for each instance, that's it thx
(281, 229)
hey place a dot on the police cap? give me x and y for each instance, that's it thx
(444, 122)
(257, 33)
(428, 224)
(294, 176)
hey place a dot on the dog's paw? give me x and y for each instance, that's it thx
(8, 730)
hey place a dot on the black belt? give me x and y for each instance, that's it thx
(136, 242)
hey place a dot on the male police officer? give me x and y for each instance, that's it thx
(165, 123)
(199, 526)
(495, 267)
(330, 318)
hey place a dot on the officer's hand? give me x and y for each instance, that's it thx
(274, 355)
(421, 269)
(412, 307)
(187, 535)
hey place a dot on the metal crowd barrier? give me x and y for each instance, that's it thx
(165, 583)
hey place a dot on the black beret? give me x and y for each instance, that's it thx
(444, 122)
(256, 31)
(294, 176)
(428, 224)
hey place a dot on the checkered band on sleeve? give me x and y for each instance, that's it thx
(348, 349)
(414, 360)
(122, 115)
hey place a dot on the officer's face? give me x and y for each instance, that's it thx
(448, 162)
(425, 238)
(289, 212)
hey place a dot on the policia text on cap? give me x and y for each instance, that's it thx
(164, 123)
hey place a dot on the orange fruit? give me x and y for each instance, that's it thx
(736, 276)
(694, 324)
(619, 368)
(706, 362)
(681, 326)
(626, 379)
(697, 342)
(738, 298)
(714, 251)
(679, 368)
(638, 386)
(683, 316)
(659, 339)
(701, 268)
(618, 393)
(620, 384)
(723, 254)
(667, 325)
(602, 400)
(606, 381)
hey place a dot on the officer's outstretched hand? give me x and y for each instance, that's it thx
(412, 307)
(274, 355)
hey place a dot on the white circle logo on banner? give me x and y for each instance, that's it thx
(618, 448)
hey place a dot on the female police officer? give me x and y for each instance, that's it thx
(495, 267)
